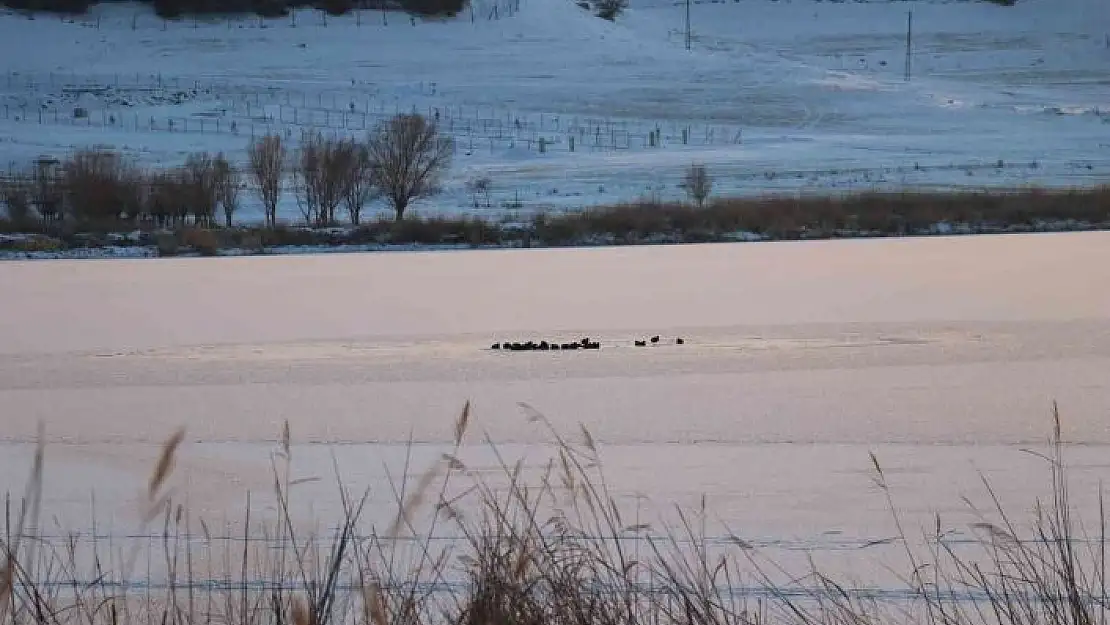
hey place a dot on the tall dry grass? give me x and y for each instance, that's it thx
(547, 550)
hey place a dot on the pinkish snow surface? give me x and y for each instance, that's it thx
(942, 355)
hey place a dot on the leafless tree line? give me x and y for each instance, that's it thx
(100, 185)
(401, 160)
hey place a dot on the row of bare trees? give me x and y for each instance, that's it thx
(100, 185)
(401, 160)
(202, 186)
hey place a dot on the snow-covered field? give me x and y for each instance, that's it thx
(773, 96)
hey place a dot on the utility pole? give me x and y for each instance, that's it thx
(909, 42)
(687, 24)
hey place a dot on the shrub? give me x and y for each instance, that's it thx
(65, 7)
(479, 189)
(166, 244)
(697, 184)
(252, 242)
(176, 9)
(270, 8)
(101, 186)
(204, 241)
(433, 7)
(169, 9)
(610, 9)
(335, 7)
(282, 235)
(36, 243)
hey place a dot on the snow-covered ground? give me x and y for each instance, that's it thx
(773, 96)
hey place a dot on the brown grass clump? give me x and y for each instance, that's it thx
(205, 242)
(550, 548)
(865, 214)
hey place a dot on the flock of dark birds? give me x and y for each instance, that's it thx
(585, 343)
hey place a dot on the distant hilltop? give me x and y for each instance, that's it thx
(171, 9)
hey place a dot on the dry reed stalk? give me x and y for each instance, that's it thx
(165, 462)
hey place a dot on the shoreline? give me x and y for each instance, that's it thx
(135, 252)
(869, 215)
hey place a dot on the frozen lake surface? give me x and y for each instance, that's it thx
(941, 355)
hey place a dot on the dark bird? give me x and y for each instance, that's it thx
(585, 341)
(641, 343)
(495, 346)
(655, 339)
(679, 341)
(593, 346)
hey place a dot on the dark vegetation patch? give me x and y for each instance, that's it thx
(174, 9)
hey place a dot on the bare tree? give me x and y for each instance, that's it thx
(698, 184)
(479, 189)
(49, 194)
(408, 157)
(358, 183)
(267, 161)
(321, 171)
(165, 202)
(101, 185)
(228, 181)
(168, 200)
(199, 177)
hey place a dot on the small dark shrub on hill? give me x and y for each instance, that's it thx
(270, 8)
(67, 7)
(168, 9)
(433, 7)
(610, 9)
(176, 9)
(335, 7)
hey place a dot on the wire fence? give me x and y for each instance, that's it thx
(536, 133)
(25, 171)
(254, 111)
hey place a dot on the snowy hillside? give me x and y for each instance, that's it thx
(789, 95)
